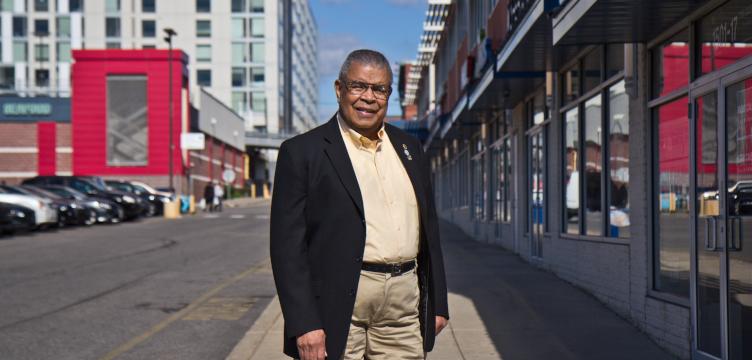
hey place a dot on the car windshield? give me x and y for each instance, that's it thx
(12, 190)
(42, 192)
(84, 186)
(146, 188)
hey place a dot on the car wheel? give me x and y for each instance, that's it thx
(91, 220)
(152, 210)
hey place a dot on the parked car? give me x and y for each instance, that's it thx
(155, 201)
(105, 210)
(132, 205)
(45, 213)
(15, 218)
(76, 214)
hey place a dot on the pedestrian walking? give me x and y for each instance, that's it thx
(219, 194)
(354, 234)
(209, 197)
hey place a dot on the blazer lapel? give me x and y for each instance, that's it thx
(407, 154)
(337, 153)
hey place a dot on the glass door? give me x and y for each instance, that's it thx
(738, 113)
(722, 277)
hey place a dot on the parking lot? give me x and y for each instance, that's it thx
(150, 288)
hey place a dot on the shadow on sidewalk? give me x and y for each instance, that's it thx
(529, 313)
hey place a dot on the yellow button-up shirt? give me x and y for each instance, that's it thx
(389, 203)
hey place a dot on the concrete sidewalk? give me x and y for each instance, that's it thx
(501, 308)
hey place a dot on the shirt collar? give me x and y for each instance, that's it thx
(356, 138)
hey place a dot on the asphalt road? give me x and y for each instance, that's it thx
(152, 289)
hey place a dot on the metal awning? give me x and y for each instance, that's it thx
(618, 21)
(521, 64)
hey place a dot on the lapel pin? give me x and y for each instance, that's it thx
(407, 153)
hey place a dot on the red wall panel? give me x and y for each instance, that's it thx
(89, 108)
(46, 143)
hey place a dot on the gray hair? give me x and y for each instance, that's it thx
(365, 57)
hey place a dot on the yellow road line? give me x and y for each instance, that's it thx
(182, 313)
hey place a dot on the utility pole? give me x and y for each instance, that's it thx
(170, 33)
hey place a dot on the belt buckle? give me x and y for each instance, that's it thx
(396, 269)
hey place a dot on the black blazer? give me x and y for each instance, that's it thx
(318, 236)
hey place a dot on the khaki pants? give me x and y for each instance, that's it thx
(385, 323)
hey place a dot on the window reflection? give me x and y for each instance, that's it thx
(618, 161)
(672, 244)
(725, 36)
(593, 166)
(670, 65)
(572, 177)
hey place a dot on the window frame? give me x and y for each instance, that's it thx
(602, 90)
(199, 33)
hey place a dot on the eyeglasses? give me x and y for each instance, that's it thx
(358, 88)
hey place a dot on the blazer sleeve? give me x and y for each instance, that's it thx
(289, 246)
(438, 275)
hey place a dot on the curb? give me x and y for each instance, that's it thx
(255, 343)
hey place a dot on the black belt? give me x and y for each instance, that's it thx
(396, 269)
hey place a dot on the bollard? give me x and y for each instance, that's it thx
(266, 192)
(172, 209)
(253, 191)
(193, 205)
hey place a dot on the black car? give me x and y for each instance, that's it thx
(79, 213)
(156, 201)
(132, 205)
(15, 218)
(105, 210)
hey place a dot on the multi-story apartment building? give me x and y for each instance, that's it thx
(235, 49)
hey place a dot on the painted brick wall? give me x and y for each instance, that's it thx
(18, 134)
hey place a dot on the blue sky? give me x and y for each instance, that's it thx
(390, 26)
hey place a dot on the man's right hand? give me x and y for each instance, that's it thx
(312, 345)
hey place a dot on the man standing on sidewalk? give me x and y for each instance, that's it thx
(354, 233)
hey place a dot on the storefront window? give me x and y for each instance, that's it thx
(670, 65)
(618, 161)
(672, 198)
(127, 120)
(572, 177)
(724, 35)
(614, 59)
(593, 166)
(591, 70)
(570, 85)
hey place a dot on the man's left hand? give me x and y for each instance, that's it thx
(441, 323)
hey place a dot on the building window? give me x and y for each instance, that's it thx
(203, 6)
(203, 53)
(239, 53)
(203, 78)
(238, 77)
(6, 5)
(63, 51)
(203, 28)
(19, 26)
(257, 27)
(239, 102)
(112, 45)
(257, 52)
(42, 78)
(75, 5)
(257, 75)
(149, 47)
(112, 6)
(148, 6)
(41, 27)
(721, 39)
(7, 77)
(572, 173)
(63, 27)
(19, 51)
(148, 28)
(41, 5)
(41, 52)
(238, 6)
(258, 101)
(257, 6)
(672, 244)
(670, 65)
(112, 27)
(127, 121)
(238, 28)
(591, 209)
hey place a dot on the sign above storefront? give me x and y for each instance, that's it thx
(192, 141)
(34, 109)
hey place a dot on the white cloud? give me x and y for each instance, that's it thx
(333, 49)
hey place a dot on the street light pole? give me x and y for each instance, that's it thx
(170, 33)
